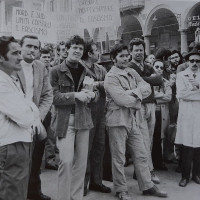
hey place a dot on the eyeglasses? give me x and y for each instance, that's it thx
(193, 60)
(159, 67)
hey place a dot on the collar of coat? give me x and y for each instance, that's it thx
(116, 70)
(188, 72)
(64, 67)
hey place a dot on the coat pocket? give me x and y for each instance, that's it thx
(65, 86)
(3, 156)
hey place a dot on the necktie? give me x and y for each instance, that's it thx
(194, 75)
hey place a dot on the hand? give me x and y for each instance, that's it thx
(153, 75)
(194, 82)
(81, 96)
(37, 126)
(90, 94)
(129, 92)
(96, 84)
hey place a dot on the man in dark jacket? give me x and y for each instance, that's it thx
(94, 170)
(137, 48)
(72, 120)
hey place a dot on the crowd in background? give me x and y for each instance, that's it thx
(97, 116)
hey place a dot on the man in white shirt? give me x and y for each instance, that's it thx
(35, 83)
(17, 118)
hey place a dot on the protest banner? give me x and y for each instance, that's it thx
(98, 13)
(67, 25)
(30, 22)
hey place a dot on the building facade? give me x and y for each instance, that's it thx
(161, 23)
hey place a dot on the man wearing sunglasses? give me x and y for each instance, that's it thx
(137, 49)
(188, 126)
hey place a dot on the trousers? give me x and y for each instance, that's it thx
(73, 152)
(14, 170)
(147, 129)
(119, 137)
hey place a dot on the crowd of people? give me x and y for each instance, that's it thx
(68, 104)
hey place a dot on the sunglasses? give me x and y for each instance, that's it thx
(159, 67)
(193, 60)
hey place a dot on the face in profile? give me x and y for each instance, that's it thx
(95, 54)
(150, 59)
(12, 62)
(63, 52)
(158, 67)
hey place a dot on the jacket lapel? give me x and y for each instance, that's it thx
(36, 78)
(20, 75)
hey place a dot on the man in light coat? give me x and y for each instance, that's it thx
(17, 116)
(34, 81)
(188, 126)
(125, 90)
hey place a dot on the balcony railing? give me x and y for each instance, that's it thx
(128, 5)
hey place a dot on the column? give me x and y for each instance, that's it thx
(147, 43)
(2, 16)
(184, 46)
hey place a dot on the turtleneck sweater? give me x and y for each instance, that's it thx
(76, 69)
(28, 73)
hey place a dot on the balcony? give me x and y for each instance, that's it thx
(131, 6)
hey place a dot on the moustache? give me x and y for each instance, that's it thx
(195, 66)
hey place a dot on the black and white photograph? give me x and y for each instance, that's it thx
(99, 99)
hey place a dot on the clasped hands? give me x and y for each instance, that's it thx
(194, 83)
(86, 94)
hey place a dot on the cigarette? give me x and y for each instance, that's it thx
(32, 56)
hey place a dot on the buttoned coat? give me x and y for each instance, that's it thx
(188, 123)
(164, 105)
(42, 90)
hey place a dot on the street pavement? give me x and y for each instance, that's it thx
(169, 182)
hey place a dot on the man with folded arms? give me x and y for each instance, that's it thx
(125, 90)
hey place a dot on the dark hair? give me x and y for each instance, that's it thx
(30, 37)
(44, 51)
(4, 45)
(158, 60)
(117, 48)
(137, 42)
(59, 44)
(179, 53)
(163, 54)
(75, 39)
(88, 48)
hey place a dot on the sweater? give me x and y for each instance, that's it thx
(155, 80)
